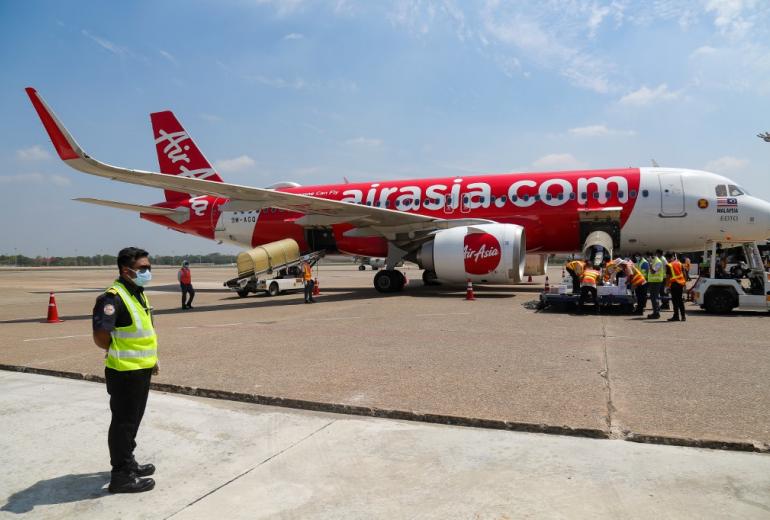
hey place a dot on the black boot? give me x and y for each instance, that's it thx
(143, 470)
(128, 482)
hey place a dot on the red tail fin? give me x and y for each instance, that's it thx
(177, 153)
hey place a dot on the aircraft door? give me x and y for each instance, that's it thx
(671, 195)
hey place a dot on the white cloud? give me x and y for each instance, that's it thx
(726, 164)
(33, 153)
(595, 19)
(647, 96)
(243, 162)
(364, 142)
(106, 44)
(558, 161)
(211, 118)
(297, 84)
(35, 178)
(170, 57)
(293, 36)
(598, 131)
(729, 16)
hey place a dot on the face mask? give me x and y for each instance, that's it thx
(143, 277)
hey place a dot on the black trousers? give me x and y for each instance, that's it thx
(654, 288)
(187, 289)
(128, 398)
(309, 284)
(641, 297)
(575, 281)
(585, 291)
(677, 299)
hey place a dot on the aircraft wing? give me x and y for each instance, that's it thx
(178, 214)
(318, 211)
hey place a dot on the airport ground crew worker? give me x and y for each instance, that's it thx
(664, 297)
(638, 283)
(588, 283)
(307, 276)
(654, 280)
(185, 283)
(676, 281)
(687, 265)
(575, 269)
(123, 327)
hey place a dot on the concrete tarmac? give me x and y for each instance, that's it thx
(221, 459)
(426, 352)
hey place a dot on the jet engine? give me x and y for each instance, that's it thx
(597, 247)
(493, 253)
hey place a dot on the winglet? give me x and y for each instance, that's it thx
(65, 145)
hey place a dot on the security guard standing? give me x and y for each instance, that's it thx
(677, 282)
(122, 326)
(575, 269)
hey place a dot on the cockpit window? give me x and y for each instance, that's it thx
(721, 190)
(735, 191)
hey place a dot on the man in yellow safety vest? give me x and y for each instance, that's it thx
(307, 277)
(655, 278)
(575, 269)
(123, 327)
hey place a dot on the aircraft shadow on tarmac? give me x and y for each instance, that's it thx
(58, 490)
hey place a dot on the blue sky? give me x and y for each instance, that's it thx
(314, 91)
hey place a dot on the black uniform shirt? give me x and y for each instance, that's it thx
(110, 311)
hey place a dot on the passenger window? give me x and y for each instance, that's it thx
(560, 196)
(525, 198)
(632, 193)
(584, 195)
(572, 195)
(596, 195)
(620, 194)
(387, 203)
(514, 198)
(721, 190)
(735, 191)
(548, 196)
(537, 197)
(645, 193)
(502, 198)
(608, 194)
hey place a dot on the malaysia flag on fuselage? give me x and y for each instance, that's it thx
(727, 202)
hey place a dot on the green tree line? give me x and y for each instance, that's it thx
(111, 260)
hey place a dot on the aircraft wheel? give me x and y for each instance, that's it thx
(273, 290)
(362, 267)
(243, 293)
(429, 277)
(389, 281)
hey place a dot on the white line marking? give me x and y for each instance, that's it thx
(224, 324)
(192, 327)
(334, 319)
(59, 337)
(443, 314)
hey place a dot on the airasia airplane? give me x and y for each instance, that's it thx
(483, 228)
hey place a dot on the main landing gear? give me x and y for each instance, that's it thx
(389, 281)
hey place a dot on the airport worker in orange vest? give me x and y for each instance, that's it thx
(185, 282)
(676, 281)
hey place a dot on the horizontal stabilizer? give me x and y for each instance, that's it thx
(177, 215)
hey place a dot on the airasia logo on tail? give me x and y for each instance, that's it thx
(482, 253)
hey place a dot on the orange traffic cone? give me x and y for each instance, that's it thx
(53, 312)
(316, 288)
(547, 286)
(469, 291)
(529, 279)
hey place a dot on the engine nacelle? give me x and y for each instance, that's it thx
(492, 253)
(536, 265)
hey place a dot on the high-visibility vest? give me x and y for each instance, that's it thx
(184, 276)
(660, 274)
(590, 277)
(637, 277)
(677, 275)
(134, 346)
(307, 272)
(644, 267)
(576, 266)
